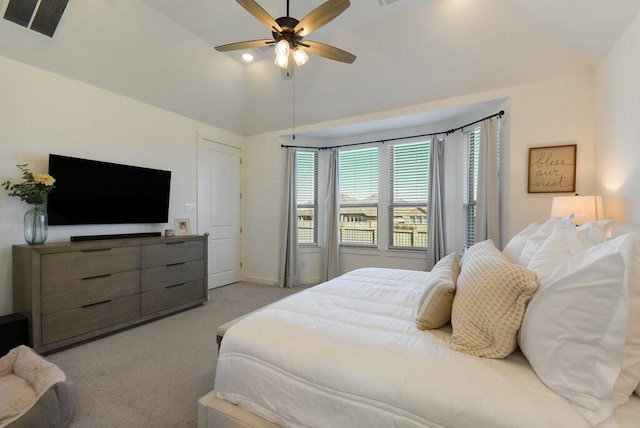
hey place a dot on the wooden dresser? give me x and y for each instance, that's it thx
(74, 291)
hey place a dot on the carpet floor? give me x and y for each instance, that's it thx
(152, 375)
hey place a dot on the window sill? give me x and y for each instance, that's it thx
(363, 251)
(406, 253)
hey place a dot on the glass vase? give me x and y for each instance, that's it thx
(36, 225)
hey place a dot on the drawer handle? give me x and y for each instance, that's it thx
(96, 304)
(175, 285)
(95, 250)
(95, 277)
(176, 264)
(174, 243)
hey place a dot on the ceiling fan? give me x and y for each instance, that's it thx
(288, 35)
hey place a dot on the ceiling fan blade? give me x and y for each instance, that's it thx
(260, 14)
(328, 51)
(320, 16)
(249, 44)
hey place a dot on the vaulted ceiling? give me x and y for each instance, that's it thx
(408, 52)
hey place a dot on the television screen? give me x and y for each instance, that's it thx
(94, 192)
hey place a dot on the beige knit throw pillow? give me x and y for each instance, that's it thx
(434, 309)
(491, 297)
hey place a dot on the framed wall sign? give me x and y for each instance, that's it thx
(552, 169)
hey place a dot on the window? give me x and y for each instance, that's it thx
(470, 180)
(358, 174)
(470, 191)
(408, 194)
(307, 177)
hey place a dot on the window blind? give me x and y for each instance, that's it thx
(307, 196)
(359, 176)
(470, 191)
(358, 172)
(408, 194)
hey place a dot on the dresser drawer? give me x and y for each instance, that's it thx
(173, 296)
(171, 252)
(60, 296)
(74, 322)
(163, 276)
(88, 263)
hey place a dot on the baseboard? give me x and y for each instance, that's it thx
(310, 281)
(271, 281)
(259, 280)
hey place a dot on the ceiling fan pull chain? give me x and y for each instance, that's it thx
(294, 105)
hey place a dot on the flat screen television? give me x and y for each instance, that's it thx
(94, 192)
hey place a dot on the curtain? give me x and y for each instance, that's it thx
(436, 244)
(289, 267)
(331, 249)
(488, 202)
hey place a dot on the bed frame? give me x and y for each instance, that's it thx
(214, 412)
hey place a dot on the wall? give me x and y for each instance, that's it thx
(537, 114)
(617, 83)
(42, 113)
(129, 48)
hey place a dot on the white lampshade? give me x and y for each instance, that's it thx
(300, 56)
(584, 208)
(282, 54)
(282, 48)
(282, 61)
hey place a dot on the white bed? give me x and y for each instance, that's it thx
(347, 353)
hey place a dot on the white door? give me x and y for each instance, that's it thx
(219, 208)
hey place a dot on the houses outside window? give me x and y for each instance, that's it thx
(307, 178)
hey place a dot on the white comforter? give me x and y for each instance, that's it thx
(347, 353)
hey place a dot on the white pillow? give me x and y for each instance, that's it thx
(563, 242)
(533, 243)
(514, 247)
(595, 231)
(575, 332)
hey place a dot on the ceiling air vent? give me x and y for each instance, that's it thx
(42, 16)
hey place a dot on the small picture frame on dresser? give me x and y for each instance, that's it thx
(182, 226)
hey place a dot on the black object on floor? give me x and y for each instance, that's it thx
(14, 331)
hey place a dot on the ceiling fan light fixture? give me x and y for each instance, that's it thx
(282, 61)
(300, 56)
(282, 48)
(288, 34)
